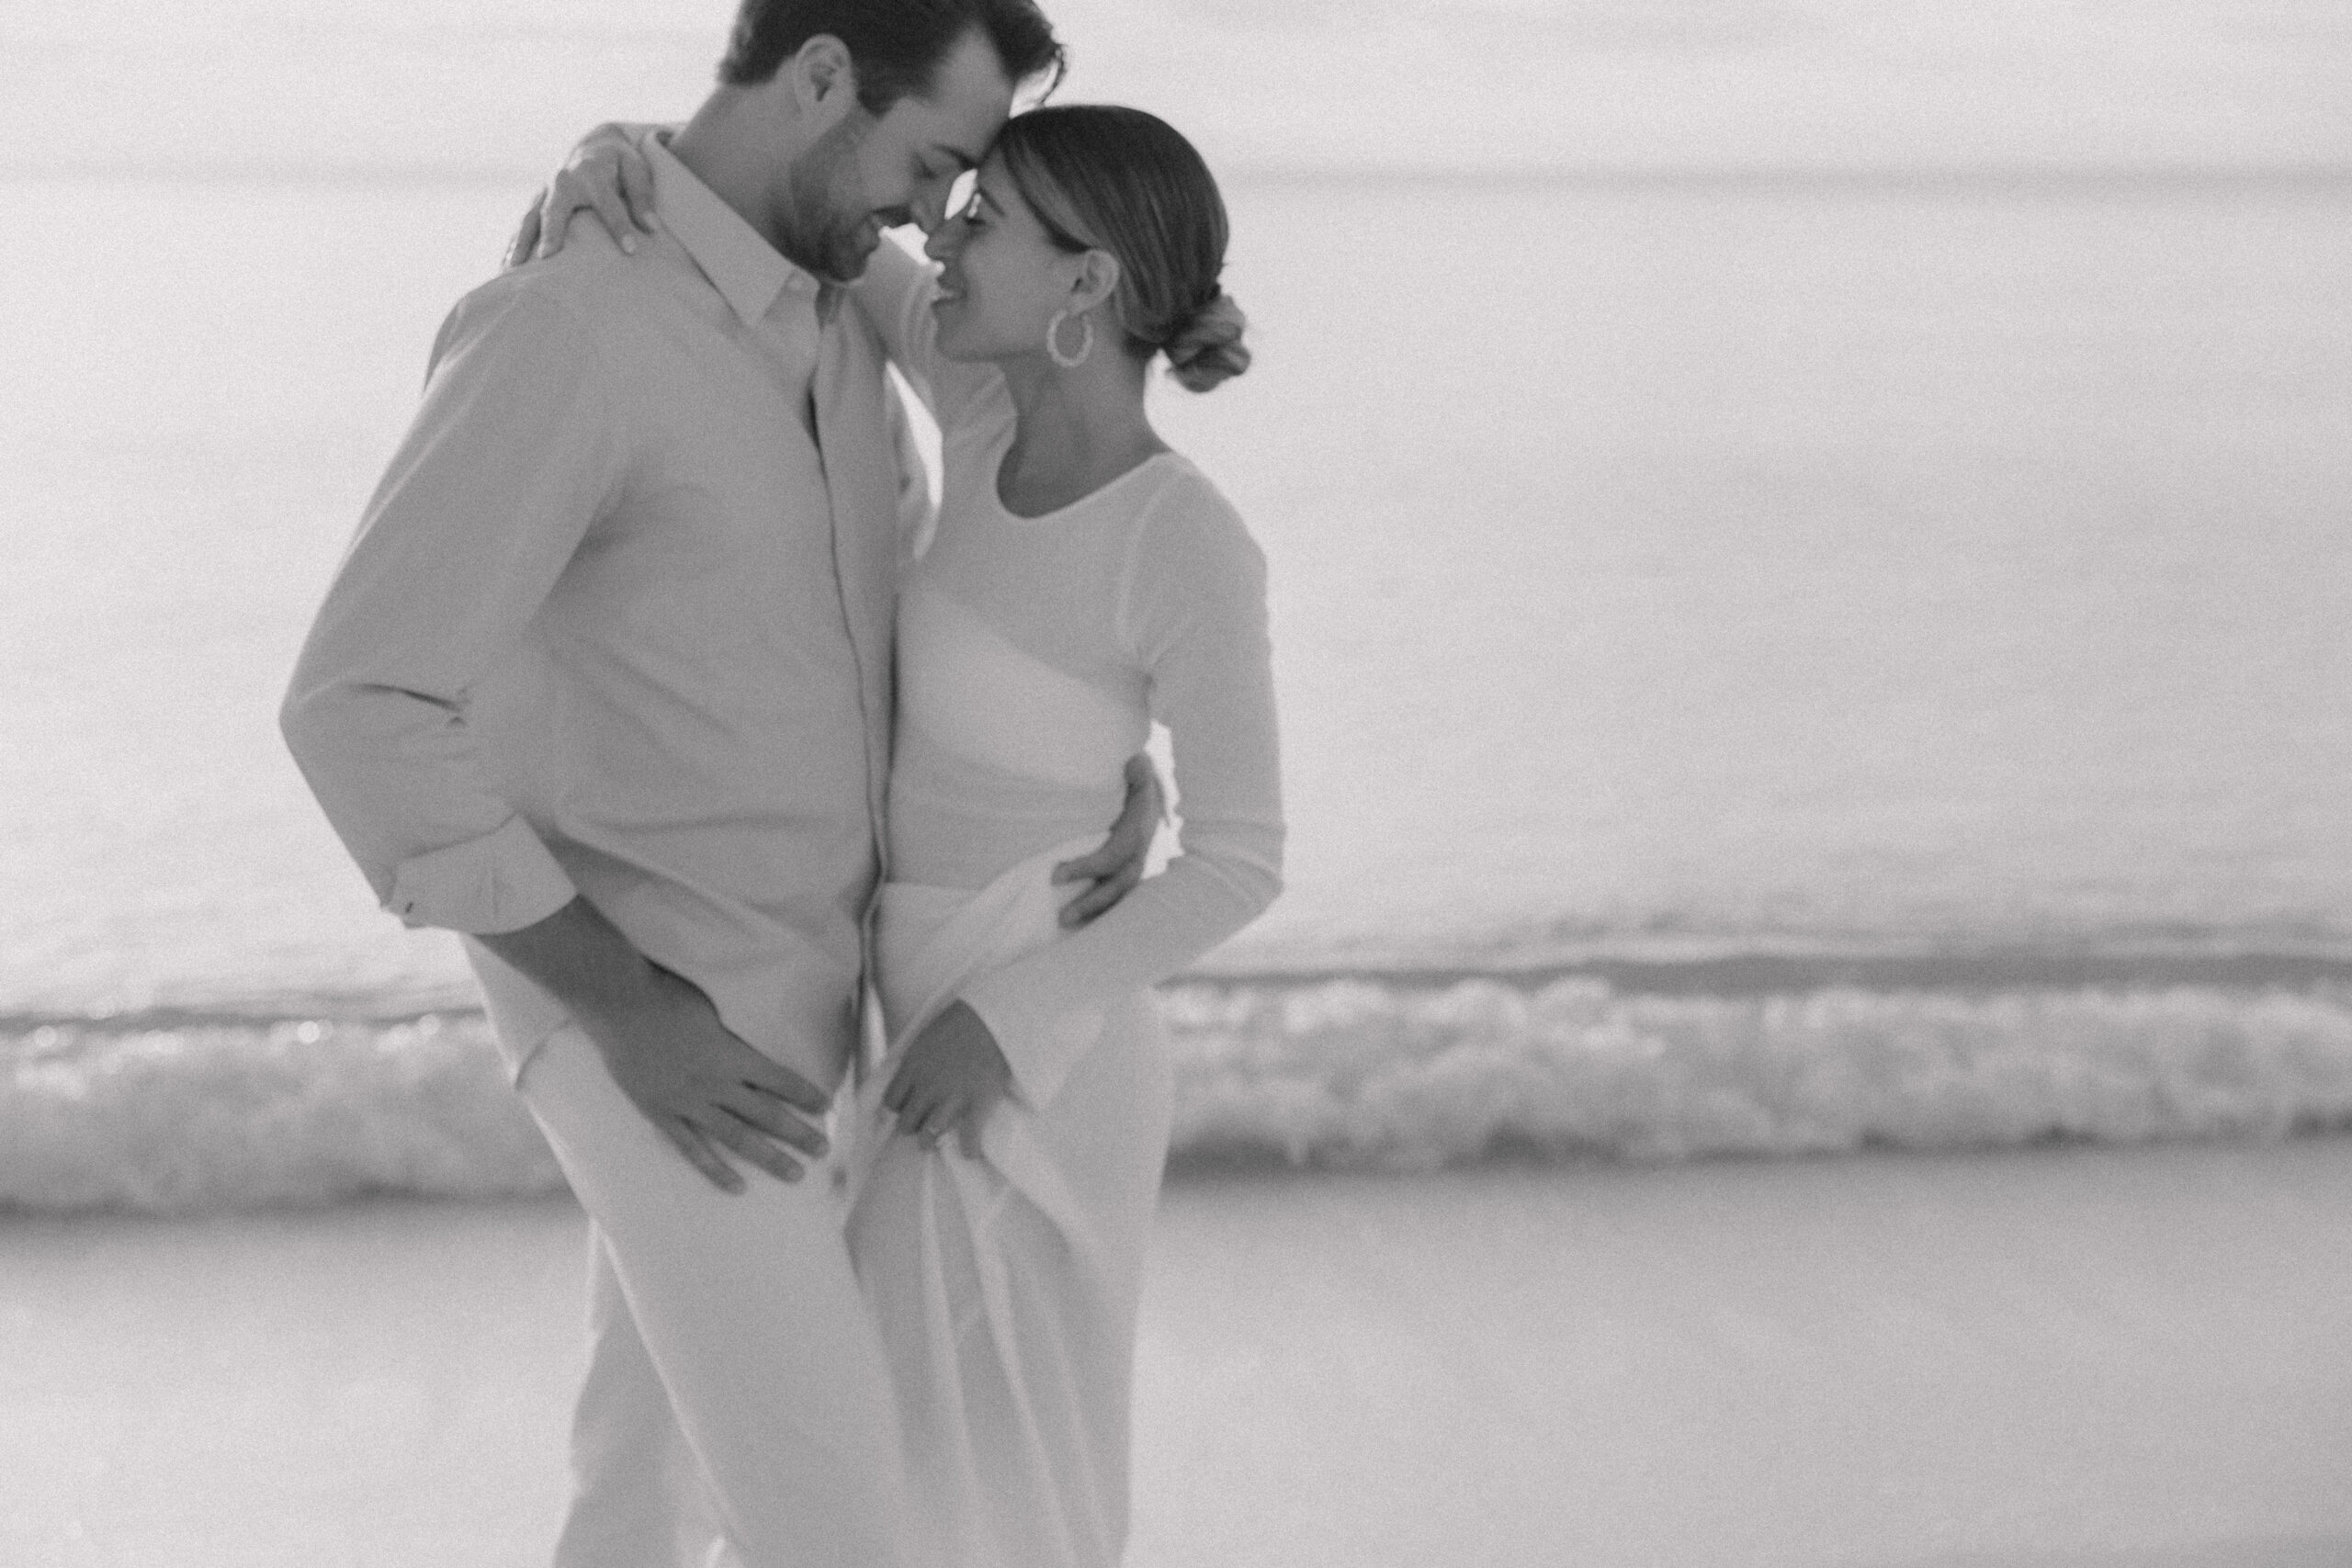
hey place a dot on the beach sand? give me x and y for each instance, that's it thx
(2065, 1358)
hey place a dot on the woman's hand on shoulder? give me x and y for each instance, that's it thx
(951, 1078)
(608, 173)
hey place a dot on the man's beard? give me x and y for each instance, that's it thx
(822, 228)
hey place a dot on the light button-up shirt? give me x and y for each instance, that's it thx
(611, 626)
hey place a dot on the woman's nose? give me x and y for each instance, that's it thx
(942, 241)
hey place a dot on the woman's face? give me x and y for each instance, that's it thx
(1003, 276)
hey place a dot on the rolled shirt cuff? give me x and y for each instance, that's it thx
(1041, 1042)
(503, 881)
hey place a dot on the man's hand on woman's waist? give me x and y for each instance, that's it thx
(1118, 866)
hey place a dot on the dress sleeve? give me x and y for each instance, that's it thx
(918, 516)
(1196, 620)
(894, 293)
(511, 458)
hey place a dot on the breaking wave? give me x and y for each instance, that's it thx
(177, 1113)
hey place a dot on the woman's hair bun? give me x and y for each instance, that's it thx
(1206, 348)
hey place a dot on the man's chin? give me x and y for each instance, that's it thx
(843, 265)
(849, 261)
(840, 261)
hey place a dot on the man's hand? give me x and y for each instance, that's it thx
(708, 1091)
(607, 173)
(1118, 866)
(949, 1080)
(701, 1087)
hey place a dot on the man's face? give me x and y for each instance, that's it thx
(867, 174)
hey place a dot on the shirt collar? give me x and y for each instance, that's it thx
(748, 272)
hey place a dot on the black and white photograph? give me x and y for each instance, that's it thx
(1176, 784)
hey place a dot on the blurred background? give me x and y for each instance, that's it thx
(1809, 542)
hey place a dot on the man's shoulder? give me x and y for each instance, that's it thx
(515, 314)
(580, 294)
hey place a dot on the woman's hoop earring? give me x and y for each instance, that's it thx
(1054, 339)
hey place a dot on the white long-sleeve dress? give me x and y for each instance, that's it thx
(1033, 655)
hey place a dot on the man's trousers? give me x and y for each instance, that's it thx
(767, 1435)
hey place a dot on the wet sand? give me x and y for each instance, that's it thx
(2061, 1358)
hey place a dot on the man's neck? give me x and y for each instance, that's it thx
(729, 146)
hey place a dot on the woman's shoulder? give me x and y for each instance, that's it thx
(1191, 553)
(1185, 510)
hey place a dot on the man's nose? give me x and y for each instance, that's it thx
(940, 242)
(929, 205)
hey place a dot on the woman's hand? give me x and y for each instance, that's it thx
(950, 1080)
(608, 174)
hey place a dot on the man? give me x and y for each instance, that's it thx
(604, 684)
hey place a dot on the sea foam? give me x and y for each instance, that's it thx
(1358, 1074)
(192, 1116)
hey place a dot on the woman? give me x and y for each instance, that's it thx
(1082, 581)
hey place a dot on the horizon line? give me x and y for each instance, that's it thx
(1927, 174)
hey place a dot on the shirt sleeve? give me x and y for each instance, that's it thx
(510, 460)
(895, 292)
(1195, 619)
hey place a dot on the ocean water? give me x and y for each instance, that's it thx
(1778, 654)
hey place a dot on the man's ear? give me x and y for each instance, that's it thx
(824, 79)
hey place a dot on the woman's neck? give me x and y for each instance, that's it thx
(1075, 432)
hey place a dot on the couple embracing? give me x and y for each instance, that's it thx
(652, 672)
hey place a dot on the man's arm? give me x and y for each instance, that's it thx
(700, 1086)
(507, 465)
(1118, 866)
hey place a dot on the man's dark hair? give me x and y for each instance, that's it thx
(896, 46)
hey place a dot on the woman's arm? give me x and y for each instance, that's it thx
(607, 172)
(894, 293)
(1195, 600)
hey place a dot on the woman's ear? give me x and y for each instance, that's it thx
(1098, 280)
